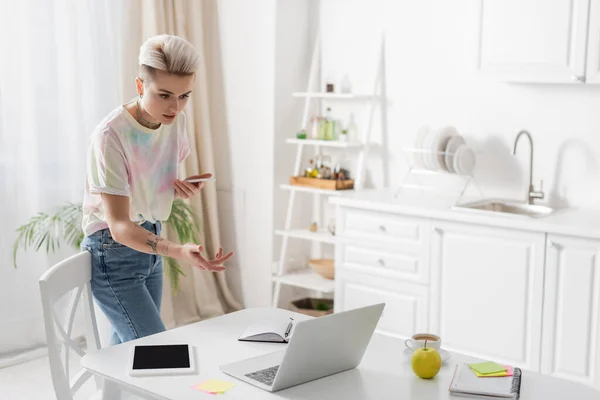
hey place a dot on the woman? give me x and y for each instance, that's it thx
(131, 181)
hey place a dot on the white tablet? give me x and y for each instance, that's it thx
(169, 359)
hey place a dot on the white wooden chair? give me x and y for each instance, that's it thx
(71, 275)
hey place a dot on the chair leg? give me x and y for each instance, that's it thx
(110, 390)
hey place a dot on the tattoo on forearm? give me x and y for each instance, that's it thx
(153, 240)
(153, 243)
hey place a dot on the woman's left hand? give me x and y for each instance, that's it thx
(185, 190)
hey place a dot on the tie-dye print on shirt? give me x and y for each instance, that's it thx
(124, 158)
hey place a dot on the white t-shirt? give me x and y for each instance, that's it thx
(127, 159)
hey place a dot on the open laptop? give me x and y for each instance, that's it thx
(318, 348)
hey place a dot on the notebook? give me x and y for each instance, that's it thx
(277, 331)
(466, 384)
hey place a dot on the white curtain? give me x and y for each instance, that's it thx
(58, 79)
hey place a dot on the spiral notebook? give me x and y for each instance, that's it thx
(276, 331)
(466, 384)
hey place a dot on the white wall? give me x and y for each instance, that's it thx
(431, 50)
(431, 53)
(244, 143)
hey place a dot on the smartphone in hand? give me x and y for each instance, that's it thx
(196, 180)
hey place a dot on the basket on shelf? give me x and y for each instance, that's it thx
(329, 184)
(324, 267)
(313, 307)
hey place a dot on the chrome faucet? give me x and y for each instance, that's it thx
(531, 192)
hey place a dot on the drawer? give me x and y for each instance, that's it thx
(406, 305)
(375, 227)
(406, 266)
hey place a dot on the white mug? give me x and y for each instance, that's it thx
(417, 341)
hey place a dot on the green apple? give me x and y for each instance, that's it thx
(426, 362)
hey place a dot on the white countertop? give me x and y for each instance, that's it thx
(569, 221)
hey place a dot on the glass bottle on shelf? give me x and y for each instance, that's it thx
(345, 85)
(311, 171)
(352, 130)
(328, 126)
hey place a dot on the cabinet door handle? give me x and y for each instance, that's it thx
(556, 246)
(382, 228)
(381, 263)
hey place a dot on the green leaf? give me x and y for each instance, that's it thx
(182, 221)
(173, 271)
(65, 226)
(41, 241)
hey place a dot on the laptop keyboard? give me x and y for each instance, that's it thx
(266, 376)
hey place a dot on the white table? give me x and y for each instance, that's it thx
(384, 373)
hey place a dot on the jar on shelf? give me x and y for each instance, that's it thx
(314, 129)
(328, 126)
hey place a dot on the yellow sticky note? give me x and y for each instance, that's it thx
(214, 386)
(508, 372)
(487, 368)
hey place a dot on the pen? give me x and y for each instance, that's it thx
(289, 327)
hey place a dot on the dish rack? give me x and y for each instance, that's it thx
(464, 179)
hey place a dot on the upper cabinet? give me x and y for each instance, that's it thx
(593, 53)
(541, 41)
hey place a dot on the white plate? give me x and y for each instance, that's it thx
(453, 144)
(419, 139)
(443, 353)
(439, 146)
(428, 156)
(464, 160)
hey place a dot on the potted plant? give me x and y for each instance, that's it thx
(46, 231)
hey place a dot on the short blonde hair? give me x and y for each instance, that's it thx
(168, 53)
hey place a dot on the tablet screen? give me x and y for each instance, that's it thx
(161, 357)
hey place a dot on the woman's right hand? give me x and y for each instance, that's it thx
(192, 253)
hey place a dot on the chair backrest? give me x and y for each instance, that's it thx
(70, 275)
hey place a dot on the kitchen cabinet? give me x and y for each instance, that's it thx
(391, 246)
(487, 290)
(406, 305)
(383, 258)
(539, 40)
(521, 291)
(571, 339)
(593, 48)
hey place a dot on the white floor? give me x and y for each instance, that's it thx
(32, 381)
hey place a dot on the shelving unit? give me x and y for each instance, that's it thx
(306, 278)
(325, 143)
(335, 96)
(308, 189)
(319, 236)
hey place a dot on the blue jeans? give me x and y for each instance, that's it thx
(127, 285)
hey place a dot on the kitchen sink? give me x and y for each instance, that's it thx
(512, 207)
